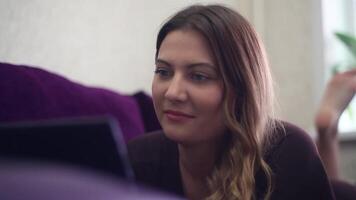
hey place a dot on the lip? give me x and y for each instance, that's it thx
(177, 115)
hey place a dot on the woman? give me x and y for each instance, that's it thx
(212, 93)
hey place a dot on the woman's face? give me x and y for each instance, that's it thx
(187, 89)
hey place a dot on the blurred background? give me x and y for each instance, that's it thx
(111, 44)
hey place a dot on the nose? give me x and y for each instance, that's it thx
(176, 91)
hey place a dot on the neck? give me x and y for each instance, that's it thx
(196, 164)
(198, 160)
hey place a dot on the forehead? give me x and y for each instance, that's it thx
(185, 45)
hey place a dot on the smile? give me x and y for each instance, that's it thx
(177, 116)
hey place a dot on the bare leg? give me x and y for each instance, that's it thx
(338, 94)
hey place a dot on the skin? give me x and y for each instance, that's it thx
(187, 81)
(337, 96)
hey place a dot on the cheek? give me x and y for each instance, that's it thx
(211, 101)
(214, 106)
(211, 107)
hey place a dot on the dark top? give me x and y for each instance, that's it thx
(343, 190)
(293, 158)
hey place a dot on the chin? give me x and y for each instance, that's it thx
(181, 137)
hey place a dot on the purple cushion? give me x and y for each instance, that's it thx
(37, 181)
(147, 112)
(28, 93)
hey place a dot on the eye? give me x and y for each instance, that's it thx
(199, 77)
(163, 72)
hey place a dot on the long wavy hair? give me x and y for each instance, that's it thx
(248, 97)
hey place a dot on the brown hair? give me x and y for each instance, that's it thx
(248, 99)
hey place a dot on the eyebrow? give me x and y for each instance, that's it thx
(158, 60)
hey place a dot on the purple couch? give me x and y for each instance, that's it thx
(28, 93)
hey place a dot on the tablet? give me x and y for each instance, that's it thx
(91, 143)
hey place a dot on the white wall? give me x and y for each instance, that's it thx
(292, 33)
(107, 43)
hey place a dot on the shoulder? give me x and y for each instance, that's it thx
(296, 165)
(289, 138)
(144, 155)
(154, 158)
(149, 147)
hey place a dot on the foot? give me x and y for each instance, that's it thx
(338, 94)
